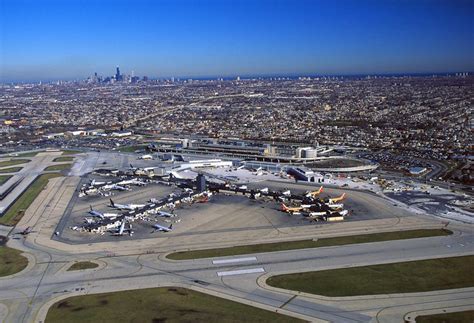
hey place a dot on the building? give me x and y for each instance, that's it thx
(305, 174)
(118, 76)
(201, 185)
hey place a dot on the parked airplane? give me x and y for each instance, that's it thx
(132, 181)
(337, 199)
(158, 227)
(101, 215)
(121, 229)
(287, 209)
(115, 187)
(125, 206)
(315, 193)
(94, 183)
(335, 206)
(165, 214)
(146, 157)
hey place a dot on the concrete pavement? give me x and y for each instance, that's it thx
(141, 264)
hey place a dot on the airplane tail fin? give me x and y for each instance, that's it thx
(283, 207)
(112, 203)
(171, 226)
(320, 190)
(91, 207)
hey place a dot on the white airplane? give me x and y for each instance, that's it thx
(165, 214)
(146, 157)
(158, 227)
(316, 214)
(344, 212)
(125, 206)
(132, 181)
(335, 206)
(286, 193)
(94, 183)
(115, 187)
(264, 190)
(101, 215)
(121, 229)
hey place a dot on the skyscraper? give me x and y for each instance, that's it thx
(118, 77)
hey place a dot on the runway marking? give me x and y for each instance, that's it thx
(240, 272)
(228, 261)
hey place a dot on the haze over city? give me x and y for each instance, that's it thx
(50, 40)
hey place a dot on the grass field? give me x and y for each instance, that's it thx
(402, 277)
(64, 159)
(303, 244)
(16, 211)
(157, 305)
(4, 178)
(10, 170)
(11, 261)
(29, 154)
(13, 162)
(455, 317)
(82, 265)
(58, 167)
(71, 152)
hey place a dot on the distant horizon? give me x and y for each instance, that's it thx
(69, 40)
(256, 76)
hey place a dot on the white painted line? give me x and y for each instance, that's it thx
(228, 261)
(240, 272)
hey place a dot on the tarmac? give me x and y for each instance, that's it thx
(229, 221)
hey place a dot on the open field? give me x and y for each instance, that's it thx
(158, 305)
(29, 154)
(402, 277)
(58, 167)
(63, 159)
(83, 265)
(303, 244)
(10, 170)
(4, 178)
(13, 162)
(11, 261)
(71, 152)
(456, 317)
(16, 211)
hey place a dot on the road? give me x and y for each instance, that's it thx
(27, 295)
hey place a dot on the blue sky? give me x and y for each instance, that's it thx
(72, 39)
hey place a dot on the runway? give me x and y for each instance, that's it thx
(137, 264)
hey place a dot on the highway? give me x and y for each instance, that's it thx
(27, 295)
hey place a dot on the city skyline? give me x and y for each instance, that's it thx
(51, 40)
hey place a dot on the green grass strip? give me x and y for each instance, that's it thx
(13, 162)
(304, 244)
(16, 211)
(83, 265)
(11, 261)
(58, 167)
(10, 170)
(4, 178)
(454, 317)
(403, 277)
(63, 159)
(158, 305)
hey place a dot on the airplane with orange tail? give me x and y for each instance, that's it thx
(337, 199)
(287, 209)
(315, 193)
